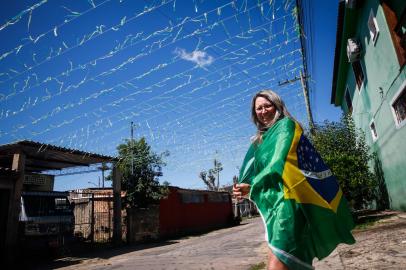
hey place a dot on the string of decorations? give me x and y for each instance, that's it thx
(183, 74)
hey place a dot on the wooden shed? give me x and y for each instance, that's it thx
(22, 158)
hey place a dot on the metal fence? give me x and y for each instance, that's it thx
(94, 216)
(244, 208)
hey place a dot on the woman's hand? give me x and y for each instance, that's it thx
(241, 191)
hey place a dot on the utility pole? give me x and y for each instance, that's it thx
(303, 79)
(216, 167)
(103, 168)
(304, 75)
(306, 97)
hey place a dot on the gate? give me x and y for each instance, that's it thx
(4, 207)
(245, 208)
(94, 216)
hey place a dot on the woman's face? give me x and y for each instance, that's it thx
(265, 110)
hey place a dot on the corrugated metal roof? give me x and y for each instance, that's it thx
(43, 147)
(185, 190)
(42, 156)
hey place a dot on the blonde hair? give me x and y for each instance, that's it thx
(281, 112)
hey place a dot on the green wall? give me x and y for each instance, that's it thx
(383, 79)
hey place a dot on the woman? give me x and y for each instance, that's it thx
(302, 206)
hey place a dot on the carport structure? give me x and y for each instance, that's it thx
(27, 157)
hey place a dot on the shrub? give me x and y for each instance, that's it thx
(345, 151)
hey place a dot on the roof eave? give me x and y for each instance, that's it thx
(345, 29)
(339, 33)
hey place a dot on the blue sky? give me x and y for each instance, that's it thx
(76, 73)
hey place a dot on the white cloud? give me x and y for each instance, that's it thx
(201, 58)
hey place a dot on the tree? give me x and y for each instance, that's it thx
(210, 178)
(141, 169)
(345, 151)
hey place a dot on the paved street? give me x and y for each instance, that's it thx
(381, 246)
(231, 248)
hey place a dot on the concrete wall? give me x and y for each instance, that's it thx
(372, 102)
(142, 224)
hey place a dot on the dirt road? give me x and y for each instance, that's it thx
(379, 246)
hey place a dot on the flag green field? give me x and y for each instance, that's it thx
(299, 199)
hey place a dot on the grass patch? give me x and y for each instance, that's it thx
(365, 219)
(365, 225)
(258, 266)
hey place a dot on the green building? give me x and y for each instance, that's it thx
(369, 81)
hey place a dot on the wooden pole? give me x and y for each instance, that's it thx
(92, 220)
(117, 230)
(18, 165)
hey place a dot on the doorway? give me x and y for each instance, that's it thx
(4, 207)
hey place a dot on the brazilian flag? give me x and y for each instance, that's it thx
(300, 201)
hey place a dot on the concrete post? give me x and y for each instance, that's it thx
(307, 102)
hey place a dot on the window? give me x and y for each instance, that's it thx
(348, 100)
(358, 73)
(373, 27)
(400, 30)
(43, 205)
(399, 106)
(373, 130)
(218, 197)
(192, 198)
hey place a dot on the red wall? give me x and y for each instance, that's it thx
(177, 217)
